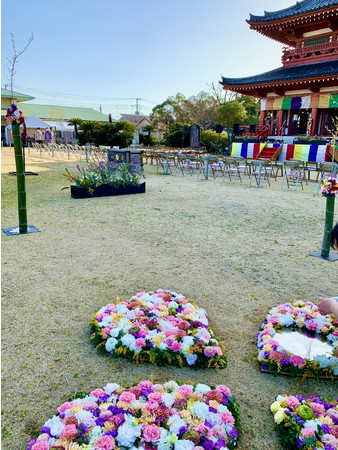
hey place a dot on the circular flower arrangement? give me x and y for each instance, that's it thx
(306, 423)
(147, 416)
(302, 316)
(161, 327)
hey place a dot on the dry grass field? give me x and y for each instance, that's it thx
(237, 251)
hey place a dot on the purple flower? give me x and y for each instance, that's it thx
(208, 445)
(45, 430)
(100, 422)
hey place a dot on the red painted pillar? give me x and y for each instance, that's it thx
(314, 117)
(279, 122)
(262, 118)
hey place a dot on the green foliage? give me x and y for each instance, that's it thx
(177, 136)
(252, 107)
(230, 113)
(114, 174)
(118, 134)
(76, 122)
(214, 142)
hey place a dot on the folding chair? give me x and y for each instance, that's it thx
(162, 162)
(242, 165)
(216, 165)
(192, 163)
(293, 174)
(231, 168)
(260, 171)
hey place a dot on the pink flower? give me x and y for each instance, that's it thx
(155, 396)
(64, 407)
(184, 325)
(90, 406)
(268, 331)
(306, 432)
(218, 351)
(69, 431)
(209, 352)
(273, 343)
(140, 342)
(317, 408)
(227, 418)
(176, 346)
(152, 406)
(169, 333)
(328, 439)
(101, 316)
(98, 393)
(127, 397)
(292, 402)
(104, 443)
(218, 431)
(146, 384)
(312, 325)
(201, 429)
(273, 319)
(297, 361)
(185, 390)
(152, 433)
(41, 445)
(106, 330)
(224, 389)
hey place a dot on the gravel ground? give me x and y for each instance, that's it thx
(237, 251)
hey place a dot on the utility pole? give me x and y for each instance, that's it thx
(100, 109)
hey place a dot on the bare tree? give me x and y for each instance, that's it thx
(14, 59)
(221, 95)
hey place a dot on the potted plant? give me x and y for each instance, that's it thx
(106, 179)
(249, 139)
(307, 140)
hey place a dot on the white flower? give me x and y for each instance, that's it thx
(213, 418)
(188, 340)
(171, 386)
(114, 332)
(127, 434)
(173, 305)
(184, 444)
(121, 309)
(94, 433)
(163, 346)
(50, 422)
(130, 315)
(105, 322)
(200, 410)
(56, 429)
(191, 359)
(175, 423)
(164, 441)
(168, 399)
(102, 310)
(111, 344)
(110, 388)
(85, 417)
(202, 388)
(128, 340)
(222, 408)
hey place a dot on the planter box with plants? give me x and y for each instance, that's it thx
(243, 139)
(310, 141)
(106, 179)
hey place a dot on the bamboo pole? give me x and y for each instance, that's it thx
(328, 225)
(20, 178)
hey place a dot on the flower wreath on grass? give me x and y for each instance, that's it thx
(146, 416)
(306, 422)
(160, 327)
(304, 316)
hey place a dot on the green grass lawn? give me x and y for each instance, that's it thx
(237, 251)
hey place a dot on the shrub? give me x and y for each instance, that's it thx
(214, 142)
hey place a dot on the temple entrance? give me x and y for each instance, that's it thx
(298, 121)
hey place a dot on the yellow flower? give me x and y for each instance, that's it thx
(178, 395)
(123, 405)
(280, 416)
(267, 348)
(275, 406)
(213, 404)
(157, 340)
(185, 414)
(104, 406)
(76, 408)
(324, 330)
(266, 337)
(326, 420)
(268, 325)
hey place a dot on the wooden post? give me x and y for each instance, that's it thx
(328, 225)
(20, 178)
(314, 117)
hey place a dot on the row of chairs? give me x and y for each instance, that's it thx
(293, 172)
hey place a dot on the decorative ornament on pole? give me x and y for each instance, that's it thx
(15, 118)
(329, 190)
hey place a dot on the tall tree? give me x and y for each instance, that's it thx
(230, 113)
(76, 122)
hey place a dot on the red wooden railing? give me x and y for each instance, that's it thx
(314, 53)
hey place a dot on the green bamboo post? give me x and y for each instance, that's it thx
(20, 178)
(328, 225)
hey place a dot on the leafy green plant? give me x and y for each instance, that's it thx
(114, 174)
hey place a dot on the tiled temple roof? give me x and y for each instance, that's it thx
(305, 71)
(303, 7)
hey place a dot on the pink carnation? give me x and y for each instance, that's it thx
(90, 406)
(41, 445)
(176, 346)
(317, 408)
(268, 331)
(101, 316)
(155, 396)
(98, 393)
(312, 325)
(273, 319)
(104, 443)
(152, 406)
(106, 330)
(328, 439)
(127, 397)
(69, 431)
(292, 402)
(152, 433)
(227, 418)
(297, 361)
(140, 342)
(185, 390)
(146, 384)
(224, 389)
(64, 407)
(306, 432)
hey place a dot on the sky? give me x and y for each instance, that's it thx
(110, 52)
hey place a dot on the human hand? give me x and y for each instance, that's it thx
(325, 305)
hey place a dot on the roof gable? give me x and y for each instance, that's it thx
(16, 95)
(61, 113)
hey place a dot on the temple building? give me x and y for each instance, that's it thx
(301, 97)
